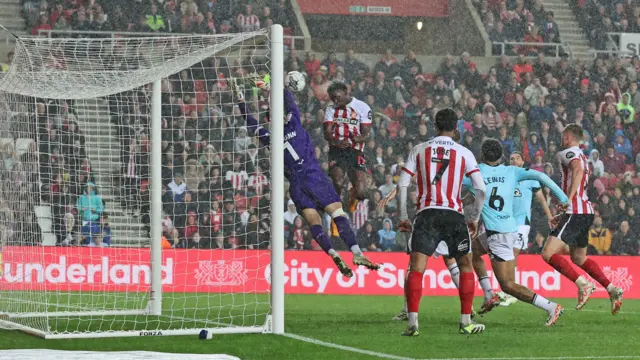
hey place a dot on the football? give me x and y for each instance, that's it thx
(294, 81)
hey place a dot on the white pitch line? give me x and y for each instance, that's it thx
(550, 358)
(347, 348)
(396, 357)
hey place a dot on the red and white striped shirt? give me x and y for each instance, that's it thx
(248, 22)
(361, 215)
(580, 203)
(440, 166)
(258, 181)
(348, 121)
(238, 179)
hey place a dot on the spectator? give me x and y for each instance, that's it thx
(242, 141)
(387, 188)
(624, 242)
(599, 238)
(596, 164)
(388, 65)
(90, 204)
(154, 20)
(613, 162)
(177, 188)
(535, 93)
(550, 31)
(623, 146)
(386, 236)
(300, 237)
(367, 238)
(43, 25)
(626, 110)
(248, 21)
(289, 217)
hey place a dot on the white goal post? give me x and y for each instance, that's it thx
(80, 264)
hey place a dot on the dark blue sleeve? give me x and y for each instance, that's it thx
(253, 126)
(290, 106)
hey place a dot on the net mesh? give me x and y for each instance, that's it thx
(75, 122)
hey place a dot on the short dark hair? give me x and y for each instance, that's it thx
(491, 150)
(575, 130)
(336, 86)
(446, 120)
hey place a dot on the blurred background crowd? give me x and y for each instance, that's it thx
(216, 176)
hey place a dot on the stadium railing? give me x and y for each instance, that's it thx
(291, 41)
(557, 46)
(612, 52)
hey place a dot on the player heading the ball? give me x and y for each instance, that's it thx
(309, 187)
(347, 124)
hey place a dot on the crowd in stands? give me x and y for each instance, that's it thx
(518, 21)
(524, 103)
(600, 17)
(177, 16)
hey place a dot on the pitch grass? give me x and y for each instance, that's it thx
(364, 322)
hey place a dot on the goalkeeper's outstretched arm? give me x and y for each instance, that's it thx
(253, 126)
(290, 106)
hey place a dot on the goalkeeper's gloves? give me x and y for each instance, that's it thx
(261, 82)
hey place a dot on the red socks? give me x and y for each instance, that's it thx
(413, 291)
(564, 267)
(466, 290)
(594, 270)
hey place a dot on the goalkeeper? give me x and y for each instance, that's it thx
(310, 188)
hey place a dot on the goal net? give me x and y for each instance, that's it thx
(133, 202)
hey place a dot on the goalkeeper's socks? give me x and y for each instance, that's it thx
(323, 240)
(544, 304)
(485, 284)
(455, 274)
(344, 229)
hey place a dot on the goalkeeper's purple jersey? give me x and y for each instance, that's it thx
(299, 152)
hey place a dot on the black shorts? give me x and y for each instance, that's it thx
(573, 229)
(432, 226)
(347, 159)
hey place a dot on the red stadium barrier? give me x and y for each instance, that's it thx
(307, 272)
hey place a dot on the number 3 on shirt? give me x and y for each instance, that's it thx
(291, 151)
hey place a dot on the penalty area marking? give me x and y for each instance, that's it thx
(396, 357)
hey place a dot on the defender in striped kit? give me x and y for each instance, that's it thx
(346, 127)
(573, 225)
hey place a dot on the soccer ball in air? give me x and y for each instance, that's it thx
(294, 81)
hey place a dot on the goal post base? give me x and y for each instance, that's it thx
(268, 325)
